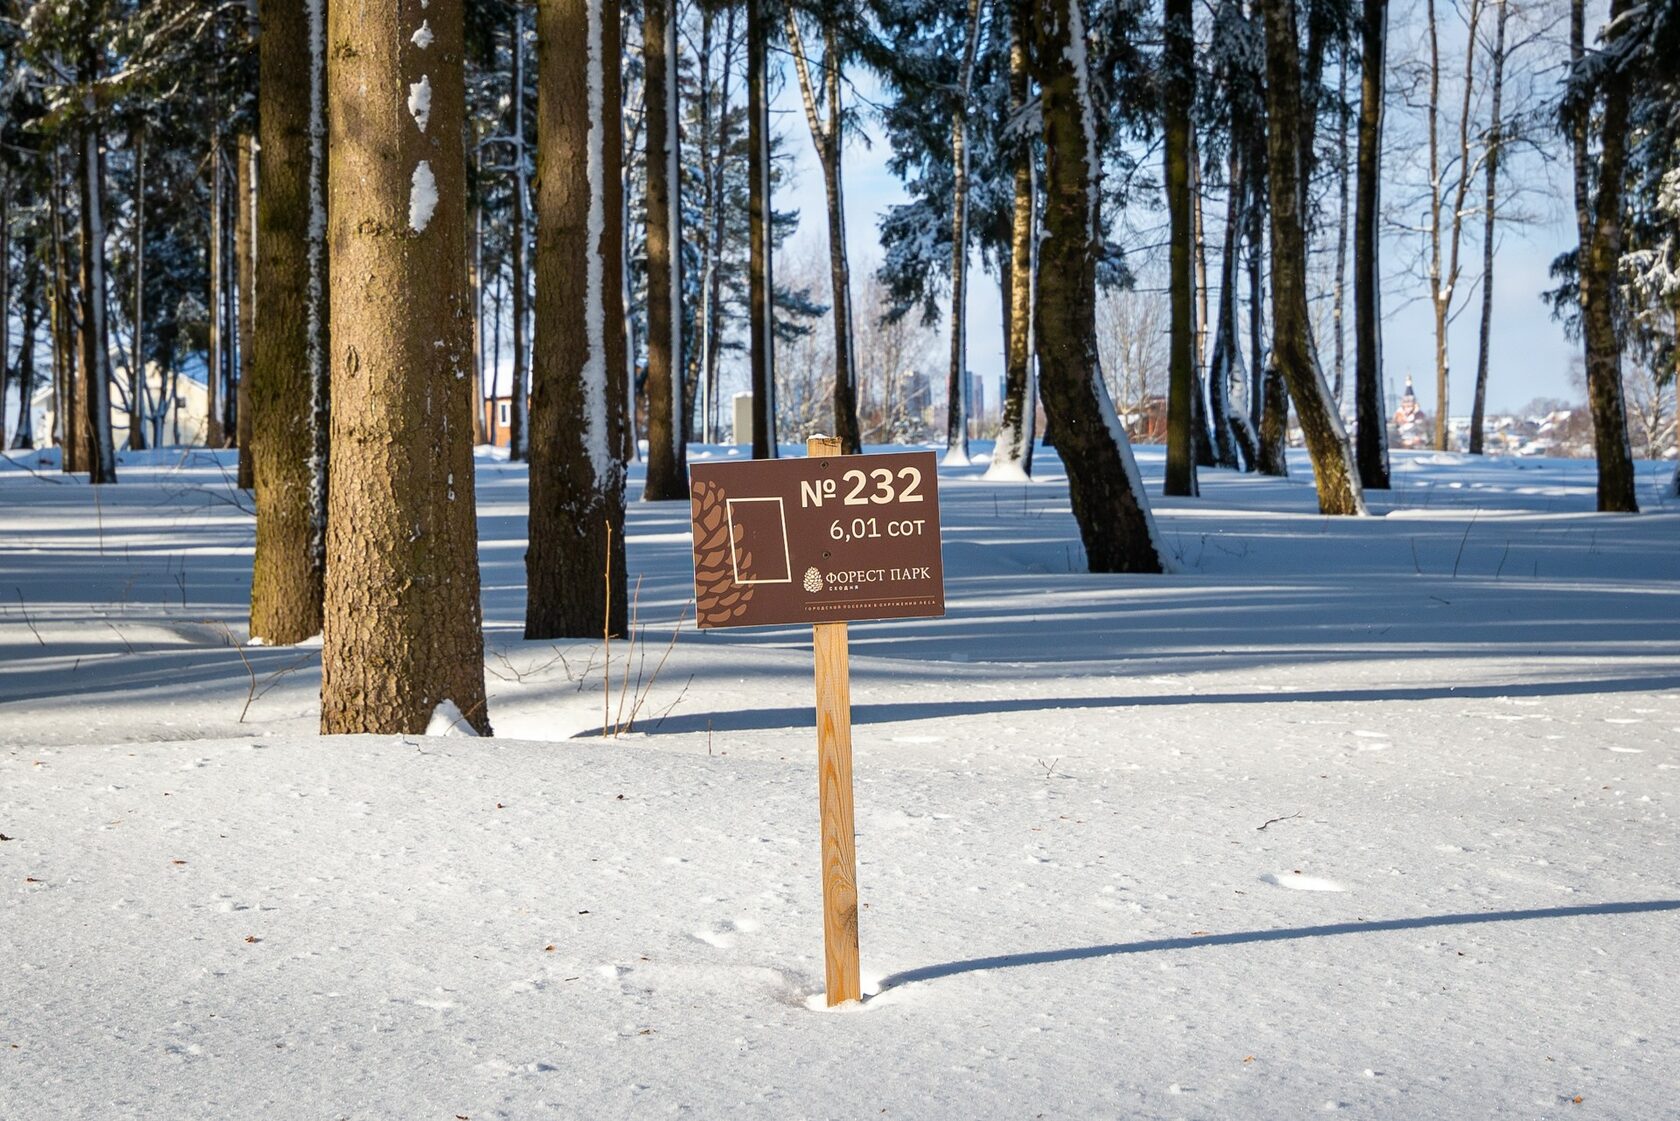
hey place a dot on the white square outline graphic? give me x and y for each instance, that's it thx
(734, 564)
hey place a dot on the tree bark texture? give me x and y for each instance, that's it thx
(1108, 499)
(667, 461)
(402, 629)
(956, 375)
(575, 570)
(1225, 367)
(1370, 410)
(761, 294)
(137, 357)
(1014, 451)
(519, 238)
(1178, 60)
(1292, 347)
(1601, 249)
(829, 143)
(69, 418)
(95, 336)
(245, 258)
(286, 576)
(23, 435)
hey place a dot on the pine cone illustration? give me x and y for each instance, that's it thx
(813, 580)
(717, 598)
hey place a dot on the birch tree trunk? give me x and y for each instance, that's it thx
(579, 428)
(286, 574)
(1495, 137)
(1178, 61)
(667, 461)
(6, 295)
(1103, 482)
(23, 436)
(1200, 425)
(829, 144)
(1012, 458)
(1443, 285)
(1370, 411)
(402, 631)
(213, 364)
(1337, 299)
(1225, 366)
(956, 378)
(1292, 346)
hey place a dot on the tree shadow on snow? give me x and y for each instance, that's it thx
(1287, 934)
(769, 719)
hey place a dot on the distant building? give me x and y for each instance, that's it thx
(1411, 424)
(179, 419)
(498, 420)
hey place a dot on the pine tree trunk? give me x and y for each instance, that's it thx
(519, 394)
(1103, 482)
(667, 461)
(1254, 235)
(317, 352)
(475, 278)
(956, 376)
(69, 419)
(761, 350)
(1014, 452)
(575, 569)
(1178, 62)
(1478, 409)
(137, 413)
(1371, 413)
(96, 386)
(1292, 346)
(230, 315)
(402, 629)
(244, 256)
(286, 577)
(1601, 249)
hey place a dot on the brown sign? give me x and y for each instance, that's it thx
(827, 539)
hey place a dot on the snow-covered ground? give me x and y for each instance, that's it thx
(1372, 815)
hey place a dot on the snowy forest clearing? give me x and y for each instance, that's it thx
(1086, 807)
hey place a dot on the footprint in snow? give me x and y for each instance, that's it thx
(723, 937)
(1298, 881)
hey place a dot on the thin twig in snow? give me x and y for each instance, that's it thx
(1462, 540)
(27, 620)
(1275, 820)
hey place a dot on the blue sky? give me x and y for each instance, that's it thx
(1529, 354)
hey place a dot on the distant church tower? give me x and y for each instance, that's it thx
(1409, 419)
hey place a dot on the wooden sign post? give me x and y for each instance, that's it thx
(834, 786)
(824, 539)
